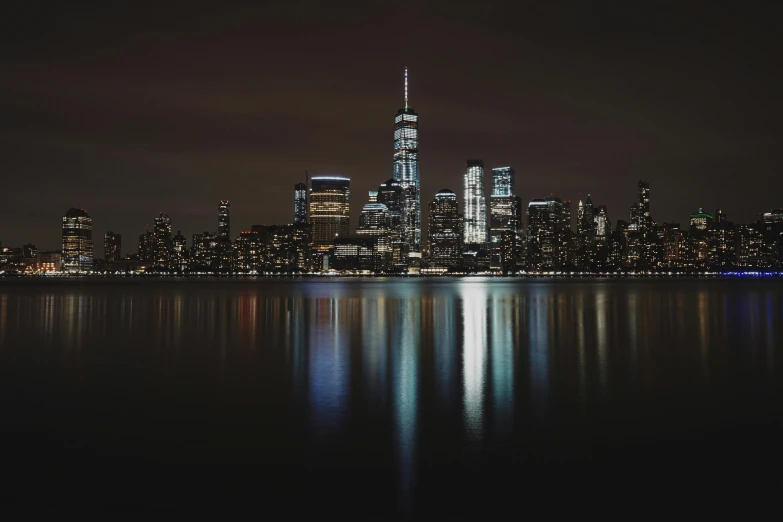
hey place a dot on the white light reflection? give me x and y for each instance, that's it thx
(474, 316)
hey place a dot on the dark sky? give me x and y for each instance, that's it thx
(127, 110)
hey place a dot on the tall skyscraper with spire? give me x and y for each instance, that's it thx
(406, 172)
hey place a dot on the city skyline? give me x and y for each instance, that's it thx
(98, 129)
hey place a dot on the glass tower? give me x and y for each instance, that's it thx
(445, 229)
(505, 218)
(330, 206)
(475, 220)
(406, 172)
(300, 203)
(77, 241)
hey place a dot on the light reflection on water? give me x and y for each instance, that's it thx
(342, 361)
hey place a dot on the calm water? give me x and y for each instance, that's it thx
(390, 398)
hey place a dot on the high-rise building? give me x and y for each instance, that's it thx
(330, 210)
(475, 206)
(390, 193)
(602, 225)
(179, 252)
(645, 221)
(505, 219)
(77, 250)
(300, 203)
(567, 214)
(406, 172)
(700, 220)
(375, 219)
(163, 244)
(224, 220)
(147, 248)
(112, 247)
(445, 231)
(250, 251)
(544, 219)
(202, 251)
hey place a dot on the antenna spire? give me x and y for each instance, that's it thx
(406, 87)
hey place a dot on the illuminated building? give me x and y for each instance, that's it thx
(390, 193)
(147, 248)
(112, 248)
(49, 261)
(567, 214)
(162, 244)
(544, 219)
(644, 220)
(722, 241)
(249, 251)
(375, 219)
(445, 231)
(330, 208)
(356, 253)
(406, 172)
(750, 248)
(700, 220)
(505, 219)
(602, 224)
(300, 203)
(201, 251)
(77, 250)
(475, 206)
(179, 252)
(224, 220)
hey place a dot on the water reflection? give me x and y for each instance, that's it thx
(349, 361)
(474, 345)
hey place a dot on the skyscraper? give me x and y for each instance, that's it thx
(224, 220)
(445, 231)
(162, 244)
(330, 209)
(179, 252)
(643, 214)
(406, 172)
(77, 241)
(390, 193)
(505, 218)
(544, 219)
(300, 203)
(475, 206)
(112, 246)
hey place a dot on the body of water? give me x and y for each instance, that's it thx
(390, 398)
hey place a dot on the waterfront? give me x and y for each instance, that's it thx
(387, 397)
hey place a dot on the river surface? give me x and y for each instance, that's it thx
(391, 398)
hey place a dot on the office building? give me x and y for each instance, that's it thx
(162, 241)
(112, 248)
(505, 219)
(475, 206)
(300, 203)
(330, 210)
(77, 252)
(445, 231)
(406, 173)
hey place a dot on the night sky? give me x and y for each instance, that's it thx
(128, 111)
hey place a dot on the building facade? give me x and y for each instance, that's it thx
(445, 231)
(475, 205)
(112, 248)
(300, 203)
(77, 252)
(330, 210)
(406, 172)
